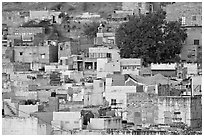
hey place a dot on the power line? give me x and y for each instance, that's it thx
(41, 120)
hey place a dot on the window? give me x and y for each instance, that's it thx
(183, 20)
(60, 62)
(21, 53)
(113, 101)
(108, 55)
(194, 18)
(196, 42)
(150, 8)
(43, 56)
(139, 4)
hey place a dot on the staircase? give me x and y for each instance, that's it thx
(10, 108)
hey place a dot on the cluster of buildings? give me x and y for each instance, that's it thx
(48, 87)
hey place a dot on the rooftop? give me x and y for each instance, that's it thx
(163, 66)
(130, 61)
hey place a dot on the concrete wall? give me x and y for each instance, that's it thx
(93, 97)
(196, 112)
(26, 110)
(119, 93)
(192, 68)
(112, 67)
(98, 86)
(196, 85)
(97, 123)
(53, 104)
(101, 64)
(64, 49)
(12, 19)
(53, 53)
(190, 51)
(187, 10)
(32, 54)
(68, 120)
(168, 106)
(19, 126)
(142, 108)
(105, 123)
(43, 95)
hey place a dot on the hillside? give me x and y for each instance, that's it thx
(102, 8)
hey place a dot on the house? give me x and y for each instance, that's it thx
(105, 67)
(149, 84)
(196, 85)
(104, 37)
(106, 123)
(115, 93)
(145, 71)
(180, 109)
(192, 47)
(36, 54)
(130, 66)
(54, 16)
(24, 36)
(64, 49)
(192, 69)
(20, 126)
(12, 19)
(67, 121)
(93, 95)
(26, 110)
(168, 70)
(189, 12)
(88, 15)
(142, 109)
(141, 7)
(104, 52)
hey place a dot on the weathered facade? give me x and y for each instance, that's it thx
(142, 108)
(184, 109)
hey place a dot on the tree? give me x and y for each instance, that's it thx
(91, 29)
(151, 38)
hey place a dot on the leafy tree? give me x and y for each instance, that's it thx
(91, 29)
(151, 38)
